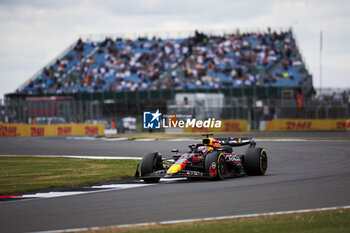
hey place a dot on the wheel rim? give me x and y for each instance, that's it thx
(221, 168)
(263, 162)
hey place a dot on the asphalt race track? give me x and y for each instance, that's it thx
(301, 175)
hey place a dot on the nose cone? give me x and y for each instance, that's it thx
(174, 169)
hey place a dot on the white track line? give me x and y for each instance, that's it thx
(145, 140)
(247, 215)
(121, 186)
(109, 187)
(114, 139)
(50, 195)
(200, 219)
(102, 188)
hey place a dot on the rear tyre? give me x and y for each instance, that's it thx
(215, 165)
(255, 161)
(150, 163)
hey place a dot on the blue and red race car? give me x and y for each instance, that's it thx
(212, 159)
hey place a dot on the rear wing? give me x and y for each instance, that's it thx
(236, 141)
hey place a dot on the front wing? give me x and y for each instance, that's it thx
(180, 174)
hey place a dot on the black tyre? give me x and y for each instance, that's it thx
(150, 163)
(215, 161)
(255, 161)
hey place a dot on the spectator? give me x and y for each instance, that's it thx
(202, 61)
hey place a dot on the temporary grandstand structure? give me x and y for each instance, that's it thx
(118, 76)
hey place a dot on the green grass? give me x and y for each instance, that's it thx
(320, 222)
(22, 174)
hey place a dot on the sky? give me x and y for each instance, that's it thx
(35, 32)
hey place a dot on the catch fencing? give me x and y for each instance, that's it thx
(264, 112)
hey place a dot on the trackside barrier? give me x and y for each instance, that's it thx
(307, 124)
(226, 126)
(28, 130)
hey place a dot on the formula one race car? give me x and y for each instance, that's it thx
(213, 159)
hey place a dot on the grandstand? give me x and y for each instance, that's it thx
(196, 62)
(114, 77)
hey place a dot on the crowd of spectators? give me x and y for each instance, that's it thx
(202, 61)
(49, 79)
(129, 65)
(338, 98)
(231, 60)
(291, 68)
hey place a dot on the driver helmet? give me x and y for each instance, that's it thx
(203, 149)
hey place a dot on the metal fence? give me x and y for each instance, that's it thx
(228, 105)
(17, 111)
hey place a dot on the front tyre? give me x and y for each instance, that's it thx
(150, 163)
(215, 165)
(255, 162)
